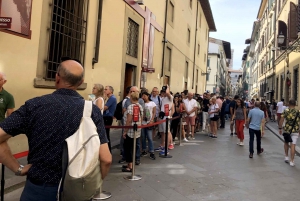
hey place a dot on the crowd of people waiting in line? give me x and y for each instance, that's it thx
(48, 120)
(204, 113)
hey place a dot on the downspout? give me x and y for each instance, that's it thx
(196, 29)
(164, 41)
(273, 59)
(97, 48)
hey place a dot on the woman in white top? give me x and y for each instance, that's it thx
(98, 91)
(214, 116)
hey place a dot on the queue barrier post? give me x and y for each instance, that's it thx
(133, 177)
(102, 195)
(180, 131)
(2, 182)
(166, 155)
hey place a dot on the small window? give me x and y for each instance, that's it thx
(189, 35)
(171, 12)
(199, 19)
(198, 49)
(186, 69)
(204, 57)
(191, 4)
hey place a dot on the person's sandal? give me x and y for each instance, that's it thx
(126, 169)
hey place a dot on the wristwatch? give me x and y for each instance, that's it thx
(18, 173)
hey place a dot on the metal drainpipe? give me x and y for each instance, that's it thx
(273, 59)
(97, 48)
(196, 29)
(164, 41)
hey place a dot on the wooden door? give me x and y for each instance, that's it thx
(129, 77)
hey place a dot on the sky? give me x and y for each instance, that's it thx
(234, 22)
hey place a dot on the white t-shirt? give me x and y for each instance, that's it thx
(213, 108)
(280, 107)
(156, 101)
(102, 106)
(164, 101)
(148, 111)
(190, 105)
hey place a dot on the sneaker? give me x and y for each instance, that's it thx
(176, 138)
(286, 159)
(137, 162)
(292, 163)
(122, 161)
(235, 133)
(185, 140)
(163, 152)
(189, 137)
(171, 146)
(152, 156)
(160, 148)
(251, 155)
(214, 136)
(193, 138)
(241, 143)
(238, 143)
(144, 153)
(231, 134)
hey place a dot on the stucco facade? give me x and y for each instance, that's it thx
(25, 60)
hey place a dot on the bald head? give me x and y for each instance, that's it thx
(71, 72)
(257, 104)
(190, 95)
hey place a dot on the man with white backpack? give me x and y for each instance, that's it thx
(48, 122)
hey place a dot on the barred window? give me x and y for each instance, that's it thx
(296, 83)
(132, 38)
(67, 33)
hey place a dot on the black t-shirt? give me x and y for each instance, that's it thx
(205, 107)
(232, 105)
(274, 105)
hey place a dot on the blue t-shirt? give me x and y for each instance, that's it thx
(256, 116)
(111, 104)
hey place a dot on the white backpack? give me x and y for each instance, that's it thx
(81, 176)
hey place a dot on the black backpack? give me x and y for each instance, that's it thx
(119, 110)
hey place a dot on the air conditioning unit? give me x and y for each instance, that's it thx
(140, 2)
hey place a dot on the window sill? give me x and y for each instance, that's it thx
(47, 84)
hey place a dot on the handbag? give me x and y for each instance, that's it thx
(287, 136)
(216, 115)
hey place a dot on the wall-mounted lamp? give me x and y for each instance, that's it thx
(207, 71)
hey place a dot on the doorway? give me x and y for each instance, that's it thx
(129, 77)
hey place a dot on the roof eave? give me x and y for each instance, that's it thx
(208, 15)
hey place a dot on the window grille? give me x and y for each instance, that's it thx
(67, 33)
(132, 38)
(296, 83)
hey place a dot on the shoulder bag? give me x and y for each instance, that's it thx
(287, 136)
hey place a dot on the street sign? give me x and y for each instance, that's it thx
(5, 22)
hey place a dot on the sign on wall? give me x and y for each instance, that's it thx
(5, 22)
(20, 13)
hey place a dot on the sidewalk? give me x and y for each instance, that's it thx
(273, 127)
(207, 169)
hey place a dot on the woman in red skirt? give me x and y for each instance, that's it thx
(240, 115)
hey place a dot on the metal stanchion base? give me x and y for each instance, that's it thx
(133, 178)
(167, 156)
(102, 196)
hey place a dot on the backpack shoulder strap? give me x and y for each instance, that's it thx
(87, 111)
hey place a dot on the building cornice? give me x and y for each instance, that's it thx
(261, 9)
(208, 14)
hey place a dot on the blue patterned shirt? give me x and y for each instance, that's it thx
(47, 121)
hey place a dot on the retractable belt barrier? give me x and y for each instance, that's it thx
(144, 126)
(17, 156)
(25, 153)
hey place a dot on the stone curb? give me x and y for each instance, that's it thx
(275, 132)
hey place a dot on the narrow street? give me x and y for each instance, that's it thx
(208, 169)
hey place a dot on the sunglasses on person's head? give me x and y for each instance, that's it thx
(62, 59)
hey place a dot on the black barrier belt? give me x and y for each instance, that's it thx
(143, 126)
